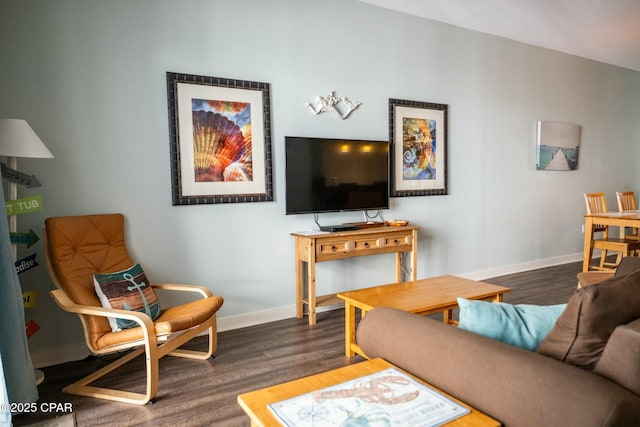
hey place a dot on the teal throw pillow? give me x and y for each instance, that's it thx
(126, 290)
(522, 325)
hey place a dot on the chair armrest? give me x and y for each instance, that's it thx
(61, 298)
(202, 290)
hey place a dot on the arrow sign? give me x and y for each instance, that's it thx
(19, 177)
(26, 263)
(31, 328)
(25, 238)
(24, 205)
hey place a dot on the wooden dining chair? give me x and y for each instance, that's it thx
(597, 203)
(627, 202)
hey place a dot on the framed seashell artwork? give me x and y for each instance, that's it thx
(220, 136)
(418, 135)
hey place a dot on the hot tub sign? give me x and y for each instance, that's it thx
(24, 205)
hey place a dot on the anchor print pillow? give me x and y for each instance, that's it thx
(127, 290)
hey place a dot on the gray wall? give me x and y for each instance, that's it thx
(89, 76)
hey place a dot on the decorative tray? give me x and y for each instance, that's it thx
(397, 223)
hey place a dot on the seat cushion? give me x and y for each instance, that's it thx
(593, 312)
(173, 319)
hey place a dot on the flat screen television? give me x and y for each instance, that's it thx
(333, 175)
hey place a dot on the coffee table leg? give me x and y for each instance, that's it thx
(447, 316)
(349, 328)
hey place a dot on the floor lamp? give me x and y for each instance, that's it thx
(17, 139)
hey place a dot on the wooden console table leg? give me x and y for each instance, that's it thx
(311, 293)
(398, 267)
(413, 260)
(299, 288)
(414, 255)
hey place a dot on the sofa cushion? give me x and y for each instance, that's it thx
(620, 361)
(522, 325)
(593, 312)
(126, 290)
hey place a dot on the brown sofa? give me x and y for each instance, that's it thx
(515, 386)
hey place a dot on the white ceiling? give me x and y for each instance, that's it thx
(603, 30)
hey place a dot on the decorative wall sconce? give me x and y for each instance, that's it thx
(330, 102)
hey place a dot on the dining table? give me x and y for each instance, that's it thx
(621, 219)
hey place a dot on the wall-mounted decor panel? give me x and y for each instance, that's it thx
(558, 146)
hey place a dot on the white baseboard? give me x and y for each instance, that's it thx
(287, 312)
(59, 355)
(256, 318)
(518, 268)
(264, 316)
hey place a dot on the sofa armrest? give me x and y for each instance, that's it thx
(512, 385)
(620, 361)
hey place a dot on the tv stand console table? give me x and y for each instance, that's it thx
(313, 247)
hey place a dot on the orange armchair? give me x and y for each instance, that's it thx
(77, 248)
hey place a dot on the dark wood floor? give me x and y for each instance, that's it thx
(203, 393)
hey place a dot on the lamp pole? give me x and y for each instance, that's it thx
(17, 139)
(13, 195)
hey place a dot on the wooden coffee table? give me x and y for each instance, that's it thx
(255, 403)
(425, 296)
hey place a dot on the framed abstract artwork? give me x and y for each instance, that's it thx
(418, 135)
(220, 137)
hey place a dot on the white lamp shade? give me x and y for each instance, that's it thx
(17, 139)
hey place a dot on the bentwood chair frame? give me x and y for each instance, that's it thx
(627, 202)
(69, 268)
(596, 203)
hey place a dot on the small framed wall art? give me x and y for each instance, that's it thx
(220, 136)
(558, 146)
(418, 135)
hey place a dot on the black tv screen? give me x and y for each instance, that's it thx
(332, 175)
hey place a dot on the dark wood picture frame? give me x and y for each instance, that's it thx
(418, 137)
(220, 140)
